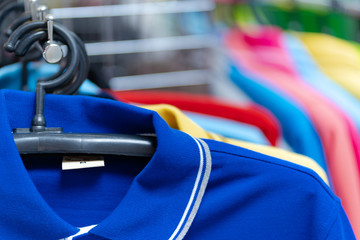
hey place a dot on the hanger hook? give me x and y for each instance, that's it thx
(39, 123)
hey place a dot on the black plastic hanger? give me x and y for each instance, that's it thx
(27, 16)
(8, 8)
(42, 140)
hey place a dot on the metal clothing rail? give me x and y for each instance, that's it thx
(133, 9)
(151, 45)
(162, 80)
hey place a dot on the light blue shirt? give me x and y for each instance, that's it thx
(229, 128)
(10, 77)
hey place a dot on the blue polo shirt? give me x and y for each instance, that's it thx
(298, 130)
(189, 189)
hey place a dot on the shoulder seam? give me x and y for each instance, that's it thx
(333, 222)
(298, 170)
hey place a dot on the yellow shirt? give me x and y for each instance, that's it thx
(178, 120)
(337, 58)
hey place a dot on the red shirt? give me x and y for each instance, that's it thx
(251, 114)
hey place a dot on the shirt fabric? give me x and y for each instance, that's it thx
(337, 58)
(189, 189)
(10, 77)
(348, 104)
(228, 128)
(178, 120)
(311, 73)
(330, 121)
(251, 114)
(298, 130)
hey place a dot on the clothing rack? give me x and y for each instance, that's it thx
(106, 47)
(156, 80)
(132, 9)
(151, 45)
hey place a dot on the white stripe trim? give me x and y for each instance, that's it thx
(81, 231)
(199, 197)
(192, 193)
(201, 191)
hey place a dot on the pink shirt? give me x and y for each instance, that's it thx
(263, 54)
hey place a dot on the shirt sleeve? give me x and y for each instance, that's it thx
(341, 229)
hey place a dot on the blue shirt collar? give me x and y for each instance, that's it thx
(162, 200)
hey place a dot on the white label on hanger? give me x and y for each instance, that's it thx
(80, 162)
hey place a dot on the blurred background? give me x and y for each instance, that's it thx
(145, 44)
(160, 44)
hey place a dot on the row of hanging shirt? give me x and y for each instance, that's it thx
(309, 81)
(234, 187)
